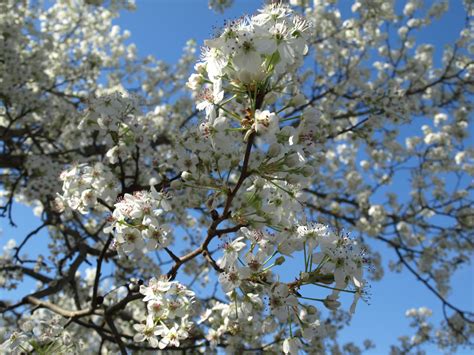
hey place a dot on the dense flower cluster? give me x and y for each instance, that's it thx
(47, 330)
(247, 53)
(84, 184)
(169, 306)
(248, 262)
(135, 223)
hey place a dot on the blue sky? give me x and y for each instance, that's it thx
(161, 28)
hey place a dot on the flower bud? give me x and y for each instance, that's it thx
(331, 304)
(186, 176)
(133, 287)
(274, 150)
(287, 131)
(293, 179)
(364, 164)
(311, 310)
(307, 171)
(298, 100)
(292, 160)
(259, 183)
(280, 260)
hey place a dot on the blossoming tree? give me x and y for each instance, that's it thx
(176, 197)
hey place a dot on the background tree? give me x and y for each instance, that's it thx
(282, 141)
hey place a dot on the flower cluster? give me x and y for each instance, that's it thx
(169, 305)
(115, 117)
(110, 112)
(248, 262)
(8, 280)
(239, 322)
(248, 52)
(135, 222)
(249, 48)
(341, 257)
(43, 332)
(83, 185)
